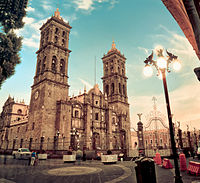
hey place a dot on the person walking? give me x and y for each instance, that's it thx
(33, 155)
(79, 156)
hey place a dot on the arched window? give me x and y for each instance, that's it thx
(56, 31)
(56, 39)
(44, 64)
(63, 42)
(63, 34)
(38, 67)
(124, 90)
(120, 89)
(112, 88)
(119, 72)
(53, 64)
(19, 111)
(111, 69)
(62, 66)
(107, 90)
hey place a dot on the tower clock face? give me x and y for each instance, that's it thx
(36, 95)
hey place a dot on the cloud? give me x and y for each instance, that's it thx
(70, 18)
(30, 9)
(28, 20)
(30, 32)
(30, 42)
(89, 5)
(112, 3)
(84, 4)
(46, 5)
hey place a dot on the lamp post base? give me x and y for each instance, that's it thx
(178, 179)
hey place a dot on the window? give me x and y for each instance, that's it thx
(33, 126)
(62, 66)
(107, 89)
(63, 42)
(111, 68)
(76, 113)
(96, 116)
(18, 129)
(112, 88)
(56, 40)
(96, 102)
(26, 128)
(124, 90)
(119, 70)
(18, 119)
(63, 34)
(53, 64)
(19, 111)
(44, 64)
(120, 89)
(56, 31)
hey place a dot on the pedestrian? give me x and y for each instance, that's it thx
(33, 155)
(69, 152)
(36, 159)
(79, 156)
(84, 155)
(109, 152)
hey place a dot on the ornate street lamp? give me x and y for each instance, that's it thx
(162, 66)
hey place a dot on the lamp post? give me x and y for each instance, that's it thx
(162, 66)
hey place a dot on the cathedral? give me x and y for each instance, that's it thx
(93, 120)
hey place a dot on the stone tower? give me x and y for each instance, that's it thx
(115, 88)
(114, 79)
(51, 77)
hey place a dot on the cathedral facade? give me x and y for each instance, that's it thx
(93, 120)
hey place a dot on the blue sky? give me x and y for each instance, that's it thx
(137, 27)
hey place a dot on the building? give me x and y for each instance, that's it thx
(93, 120)
(178, 11)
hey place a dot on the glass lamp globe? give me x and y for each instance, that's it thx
(162, 63)
(176, 65)
(148, 71)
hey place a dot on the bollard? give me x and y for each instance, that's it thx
(158, 159)
(183, 165)
(145, 170)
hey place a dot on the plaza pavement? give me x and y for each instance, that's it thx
(55, 171)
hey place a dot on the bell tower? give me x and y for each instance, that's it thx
(51, 76)
(115, 89)
(114, 79)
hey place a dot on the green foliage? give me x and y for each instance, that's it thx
(10, 20)
(11, 16)
(10, 45)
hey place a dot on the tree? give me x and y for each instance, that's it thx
(11, 15)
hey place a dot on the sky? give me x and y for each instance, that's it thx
(137, 27)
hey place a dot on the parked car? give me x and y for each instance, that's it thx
(21, 153)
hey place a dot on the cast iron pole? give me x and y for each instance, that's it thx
(173, 146)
